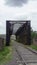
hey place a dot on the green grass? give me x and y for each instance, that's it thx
(34, 47)
(5, 55)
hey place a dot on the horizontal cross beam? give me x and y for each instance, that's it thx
(18, 21)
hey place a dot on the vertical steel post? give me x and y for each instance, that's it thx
(7, 33)
(28, 33)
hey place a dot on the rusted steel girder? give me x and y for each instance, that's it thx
(24, 33)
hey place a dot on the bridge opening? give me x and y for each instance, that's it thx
(21, 29)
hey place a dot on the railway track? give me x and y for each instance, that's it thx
(26, 56)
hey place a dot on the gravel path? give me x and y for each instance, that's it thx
(22, 55)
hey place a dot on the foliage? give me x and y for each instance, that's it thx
(34, 47)
(5, 55)
(33, 34)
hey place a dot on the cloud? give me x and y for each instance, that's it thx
(16, 3)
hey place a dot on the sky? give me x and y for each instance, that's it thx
(18, 10)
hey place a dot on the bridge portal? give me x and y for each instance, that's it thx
(23, 34)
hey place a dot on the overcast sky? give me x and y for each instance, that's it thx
(18, 9)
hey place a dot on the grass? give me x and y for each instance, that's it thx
(34, 47)
(5, 55)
